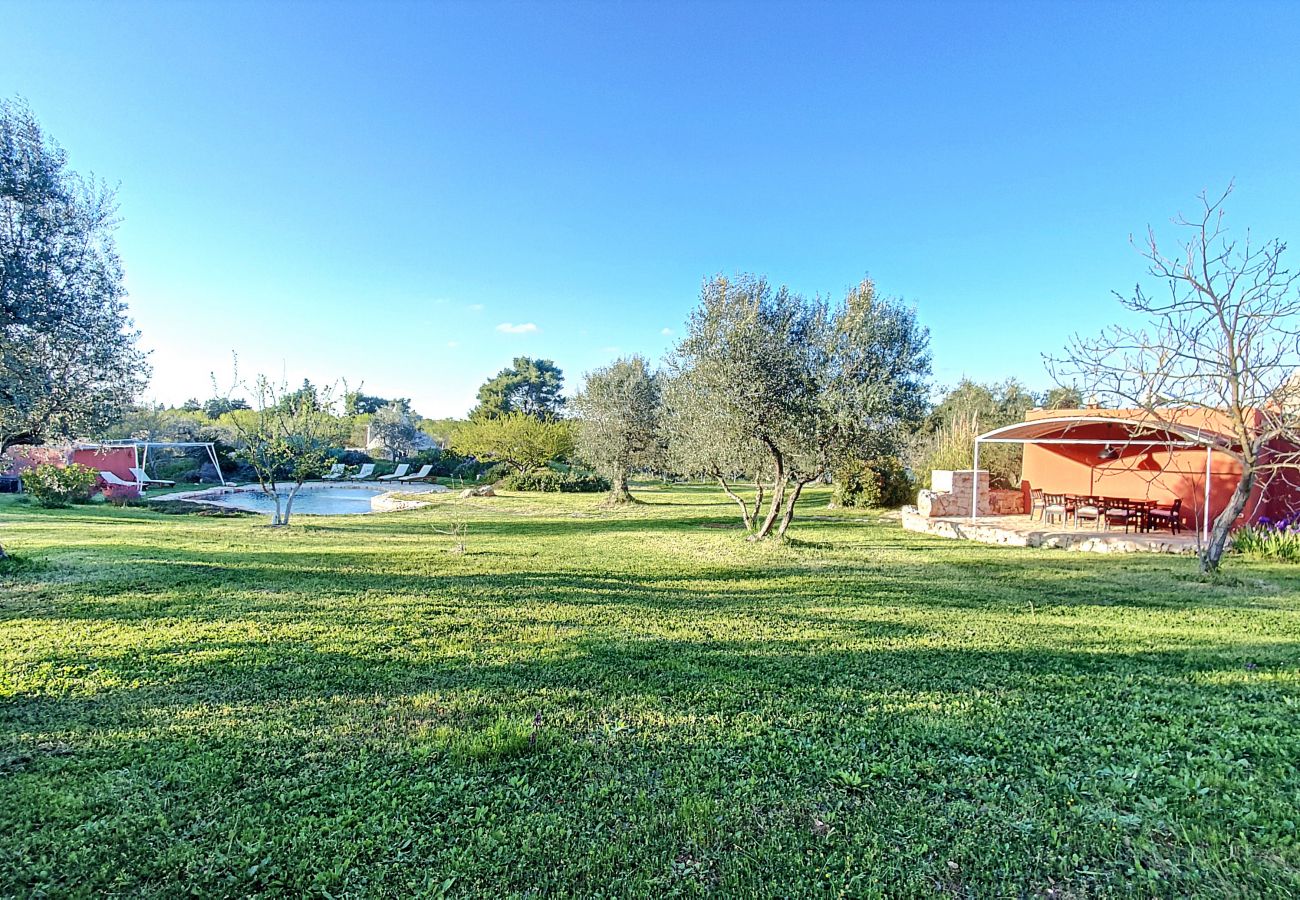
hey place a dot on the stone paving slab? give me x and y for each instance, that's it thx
(1021, 531)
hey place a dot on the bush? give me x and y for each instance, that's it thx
(585, 484)
(53, 486)
(551, 481)
(883, 483)
(466, 470)
(350, 457)
(493, 473)
(430, 456)
(1268, 539)
(183, 469)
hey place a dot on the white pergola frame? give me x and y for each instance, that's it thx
(140, 459)
(1189, 439)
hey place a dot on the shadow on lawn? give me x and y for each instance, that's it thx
(706, 677)
(223, 584)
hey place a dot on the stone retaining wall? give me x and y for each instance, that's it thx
(1027, 535)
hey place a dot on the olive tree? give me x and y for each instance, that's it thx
(391, 426)
(781, 388)
(1221, 338)
(618, 428)
(69, 363)
(705, 440)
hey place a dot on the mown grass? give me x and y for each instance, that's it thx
(633, 702)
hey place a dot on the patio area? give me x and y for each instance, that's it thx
(1021, 531)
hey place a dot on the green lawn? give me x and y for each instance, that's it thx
(630, 703)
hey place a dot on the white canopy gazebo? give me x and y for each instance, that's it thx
(1114, 434)
(142, 449)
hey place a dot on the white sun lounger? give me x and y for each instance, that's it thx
(366, 471)
(335, 473)
(143, 477)
(418, 476)
(401, 470)
(113, 479)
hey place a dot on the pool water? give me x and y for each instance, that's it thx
(338, 502)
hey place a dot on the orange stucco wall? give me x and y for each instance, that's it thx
(1150, 472)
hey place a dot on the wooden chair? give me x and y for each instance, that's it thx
(1120, 510)
(1088, 508)
(1056, 506)
(1144, 508)
(1170, 517)
(1036, 501)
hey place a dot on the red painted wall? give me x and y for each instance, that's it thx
(117, 460)
(17, 460)
(1152, 473)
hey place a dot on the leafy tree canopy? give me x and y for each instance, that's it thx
(355, 403)
(529, 386)
(522, 441)
(619, 422)
(771, 382)
(216, 407)
(391, 426)
(69, 363)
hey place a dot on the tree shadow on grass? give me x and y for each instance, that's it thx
(730, 676)
(219, 584)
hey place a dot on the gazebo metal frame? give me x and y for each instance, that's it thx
(141, 459)
(1184, 439)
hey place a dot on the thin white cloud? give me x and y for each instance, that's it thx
(521, 328)
(475, 307)
(453, 344)
(666, 332)
(611, 350)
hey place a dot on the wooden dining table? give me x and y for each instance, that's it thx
(1141, 507)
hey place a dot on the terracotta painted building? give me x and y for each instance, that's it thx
(100, 457)
(1122, 453)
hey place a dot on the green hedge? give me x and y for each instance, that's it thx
(555, 482)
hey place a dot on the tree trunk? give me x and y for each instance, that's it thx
(789, 508)
(744, 507)
(758, 497)
(618, 492)
(288, 503)
(778, 493)
(1212, 553)
(773, 509)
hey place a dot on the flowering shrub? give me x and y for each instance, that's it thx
(51, 485)
(1270, 539)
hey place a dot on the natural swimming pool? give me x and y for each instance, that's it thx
(312, 499)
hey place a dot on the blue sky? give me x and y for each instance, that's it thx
(393, 193)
